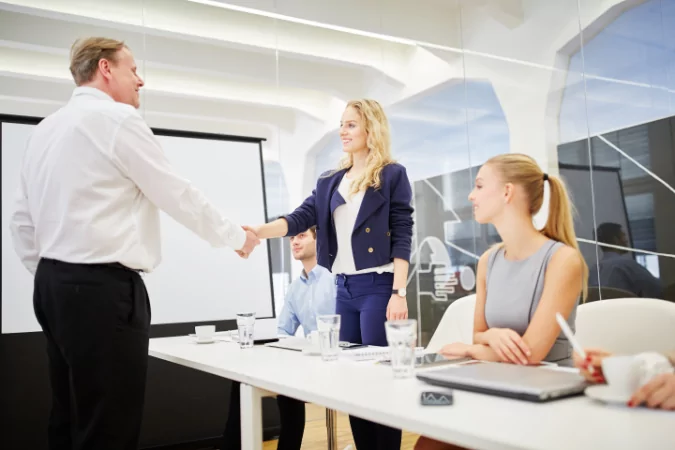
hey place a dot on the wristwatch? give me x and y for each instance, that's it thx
(400, 292)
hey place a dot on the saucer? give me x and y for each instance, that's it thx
(203, 341)
(606, 394)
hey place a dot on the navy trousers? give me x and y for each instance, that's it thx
(362, 304)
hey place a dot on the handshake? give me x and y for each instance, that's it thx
(252, 241)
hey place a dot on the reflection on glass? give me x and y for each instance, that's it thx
(618, 274)
(633, 175)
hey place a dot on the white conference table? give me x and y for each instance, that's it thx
(369, 391)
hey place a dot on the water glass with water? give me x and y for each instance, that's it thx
(245, 324)
(329, 336)
(402, 339)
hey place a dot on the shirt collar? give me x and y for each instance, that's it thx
(311, 276)
(87, 90)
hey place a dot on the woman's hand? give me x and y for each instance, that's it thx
(591, 366)
(508, 345)
(658, 393)
(397, 308)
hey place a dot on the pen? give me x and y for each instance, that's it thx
(570, 337)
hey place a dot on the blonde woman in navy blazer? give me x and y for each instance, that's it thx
(363, 216)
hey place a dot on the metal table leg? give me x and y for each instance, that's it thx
(331, 428)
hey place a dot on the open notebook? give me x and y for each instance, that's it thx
(371, 352)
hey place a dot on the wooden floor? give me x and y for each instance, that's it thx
(315, 432)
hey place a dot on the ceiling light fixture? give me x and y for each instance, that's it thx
(310, 23)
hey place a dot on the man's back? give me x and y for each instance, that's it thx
(621, 271)
(84, 208)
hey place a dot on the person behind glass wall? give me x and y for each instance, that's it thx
(85, 223)
(618, 269)
(364, 222)
(309, 296)
(532, 275)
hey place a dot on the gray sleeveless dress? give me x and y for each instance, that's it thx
(514, 289)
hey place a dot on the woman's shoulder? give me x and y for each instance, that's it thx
(393, 168)
(565, 256)
(562, 250)
(489, 254)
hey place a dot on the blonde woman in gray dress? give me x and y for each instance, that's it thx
(524, 281)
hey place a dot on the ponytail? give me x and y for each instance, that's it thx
(560, 224)
(521, 169)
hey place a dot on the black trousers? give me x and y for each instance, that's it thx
(291, 414)
(96, 319)
(375, 436)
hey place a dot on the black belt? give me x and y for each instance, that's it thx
(112, 265)
(120, 266)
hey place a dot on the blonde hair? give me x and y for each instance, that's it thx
(378, 142)
(86, 53)
(522, 170)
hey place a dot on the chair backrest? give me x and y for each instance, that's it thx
(627, 325)
(596, 293)
(456, 324)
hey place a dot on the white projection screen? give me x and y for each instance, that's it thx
(194, 282)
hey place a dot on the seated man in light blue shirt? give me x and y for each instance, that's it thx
(309, 296)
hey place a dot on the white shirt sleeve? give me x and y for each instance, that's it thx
(139, 155)
(23, 230)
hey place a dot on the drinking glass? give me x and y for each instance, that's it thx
(402, 337)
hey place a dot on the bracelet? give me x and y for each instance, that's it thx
(650, 365)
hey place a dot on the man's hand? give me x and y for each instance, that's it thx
(252, 242)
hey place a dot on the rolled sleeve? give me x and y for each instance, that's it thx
(288, 320)
(400, 216)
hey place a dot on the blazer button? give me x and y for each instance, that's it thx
(388, 233)
(367, 230)
(370, 250)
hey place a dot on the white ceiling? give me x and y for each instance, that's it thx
(239, 71)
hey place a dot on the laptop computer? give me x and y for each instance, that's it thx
(535, 384)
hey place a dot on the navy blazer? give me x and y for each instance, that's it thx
(384, 224)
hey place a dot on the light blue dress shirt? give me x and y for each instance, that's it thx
(309, 296)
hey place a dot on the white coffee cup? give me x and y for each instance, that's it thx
(205, 332)
(622, 374)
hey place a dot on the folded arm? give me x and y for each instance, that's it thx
(562, 288)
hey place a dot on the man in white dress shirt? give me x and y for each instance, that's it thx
(86, 222)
